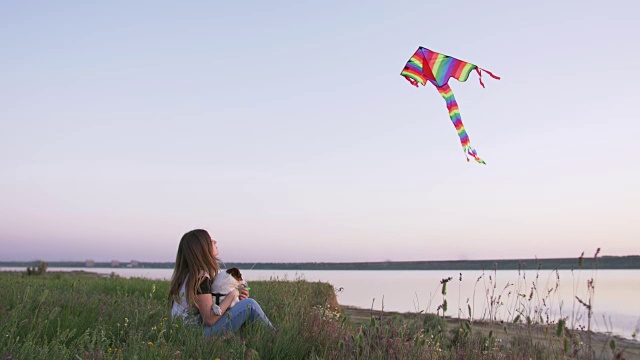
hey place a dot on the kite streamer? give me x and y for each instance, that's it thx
(429, 66)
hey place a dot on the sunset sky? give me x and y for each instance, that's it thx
(285, 129)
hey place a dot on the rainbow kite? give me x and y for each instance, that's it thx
(438, 69)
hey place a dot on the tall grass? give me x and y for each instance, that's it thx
(532, 309)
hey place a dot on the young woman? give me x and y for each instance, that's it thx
(190, 293)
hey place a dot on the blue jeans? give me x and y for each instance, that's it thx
(232, 319)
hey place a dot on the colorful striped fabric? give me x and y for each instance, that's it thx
(454, 114)
(426, 65)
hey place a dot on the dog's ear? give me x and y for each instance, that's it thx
(235, 272)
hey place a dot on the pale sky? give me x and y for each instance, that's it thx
(285, 129)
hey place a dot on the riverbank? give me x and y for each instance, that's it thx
(505, 332)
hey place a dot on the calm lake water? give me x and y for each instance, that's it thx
(616, 299)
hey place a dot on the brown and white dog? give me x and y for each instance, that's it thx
(222, 284)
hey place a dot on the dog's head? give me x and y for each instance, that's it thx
(236, 274)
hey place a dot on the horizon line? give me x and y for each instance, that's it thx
(320, 262)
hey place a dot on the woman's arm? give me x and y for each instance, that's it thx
(204, 303)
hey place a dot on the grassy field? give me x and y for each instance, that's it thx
(85, 316)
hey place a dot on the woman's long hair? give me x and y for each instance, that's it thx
(194, 258)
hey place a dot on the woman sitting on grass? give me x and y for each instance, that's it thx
(190, 293)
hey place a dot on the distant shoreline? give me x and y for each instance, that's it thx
(631, 262)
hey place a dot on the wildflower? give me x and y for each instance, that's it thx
(150, 343)
(153, 328)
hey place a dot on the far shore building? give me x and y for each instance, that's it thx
(115, 263)
(89, 263)
(134, 263)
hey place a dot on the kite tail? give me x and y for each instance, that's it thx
(479, 71)
(454, 114)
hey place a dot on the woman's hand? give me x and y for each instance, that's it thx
(244, 293)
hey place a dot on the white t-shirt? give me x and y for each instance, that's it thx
(180, 306)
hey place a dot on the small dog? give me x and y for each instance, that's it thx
(223, 283)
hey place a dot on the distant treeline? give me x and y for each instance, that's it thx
(604, 262)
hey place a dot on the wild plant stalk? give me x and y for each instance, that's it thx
(472, 315)
(575, 291)
(522, 278)
(487, 295)
(587, 304)
(494, 300)
(459, 291)
(443, 306)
